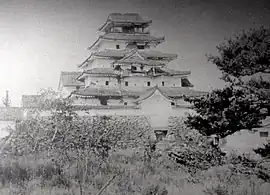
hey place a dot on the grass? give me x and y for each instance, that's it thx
(161, 176)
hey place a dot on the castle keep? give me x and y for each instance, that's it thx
(126, 75)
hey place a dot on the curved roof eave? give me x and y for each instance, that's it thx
(151, 93)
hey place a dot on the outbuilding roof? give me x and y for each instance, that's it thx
(70, 79)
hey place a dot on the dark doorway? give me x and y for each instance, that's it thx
(160, 134)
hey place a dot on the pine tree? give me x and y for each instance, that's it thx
(6, 100)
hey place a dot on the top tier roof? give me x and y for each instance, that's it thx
(125, 18)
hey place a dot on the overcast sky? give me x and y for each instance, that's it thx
(39, 38)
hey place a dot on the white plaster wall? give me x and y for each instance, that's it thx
(140, 82)
(137, 82)
(100, 63)
(168, 81)
(111, 112)
(111, 102)
(158, 108)
(111, 45)
(67, 90)
(114, 102)
(82, 101)
(245, 141)
(130, 101)
(101, 81)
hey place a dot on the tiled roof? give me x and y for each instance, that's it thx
(70, 79)
(98, 72)
(169, 92)
(111, 53)
(124, 18)
(175, 92)
(149, 92)
(10, 113)
(122, 36)
(93, 91)
(107, 71)
(173, 72)
(123, 53)
(152, 53)
(31, 101)
(144, 62)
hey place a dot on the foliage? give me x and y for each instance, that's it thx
(238, 105)
(263, 151)
(226, 180)
(225, 111)
(193, 150)
(245, 54)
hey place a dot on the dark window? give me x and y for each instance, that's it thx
(160, 134)
(141, 67)
(125, 103)
(107, 83)
(117, 46)
(103, 101)
(140, 46)
(185, 83)
(126, 83)
(133, 68)
(172, 103)
(163, 83)
(264, 134)
(148, 83)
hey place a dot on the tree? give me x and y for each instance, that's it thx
(225, 111)
(239, 105)
(245, 54)
(6, 100)
(264, 152)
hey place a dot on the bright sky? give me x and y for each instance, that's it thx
(38, 39)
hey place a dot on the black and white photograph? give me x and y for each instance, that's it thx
(134, 97)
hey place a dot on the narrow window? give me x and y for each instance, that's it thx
(163, 83)
(140, 46)
(148, 83)
(107, 83)
(126, 83)
(264, 134)
(117, 46)
(133, 68)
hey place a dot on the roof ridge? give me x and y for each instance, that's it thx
(70, 72)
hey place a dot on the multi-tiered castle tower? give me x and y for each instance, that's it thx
(126, 75)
